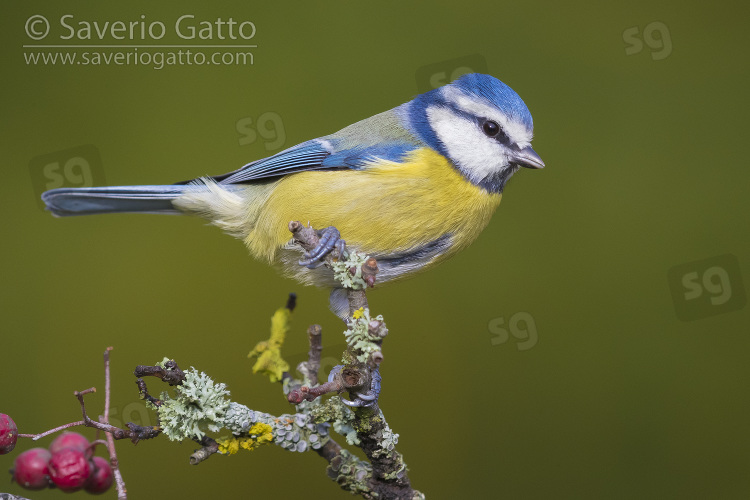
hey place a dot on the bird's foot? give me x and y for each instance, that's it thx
(366, 398)
(330, 240)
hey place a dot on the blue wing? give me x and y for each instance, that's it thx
(313, 155)
(306, 156)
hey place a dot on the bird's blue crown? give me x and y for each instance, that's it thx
(475, 86)
(489, 88)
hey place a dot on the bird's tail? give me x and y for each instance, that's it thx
(102, 200)
(225, 206)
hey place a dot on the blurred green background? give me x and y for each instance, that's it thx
(548, 360)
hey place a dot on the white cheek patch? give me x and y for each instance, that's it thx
(475, 154)
(517, 132)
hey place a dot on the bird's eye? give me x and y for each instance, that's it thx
(491, 129)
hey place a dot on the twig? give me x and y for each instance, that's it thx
(107, 384)
(315, 337)
(144, 393)
(51, 431)
(291, 301)
(122, 492)
(330, 450)
(305, 393)
(209, 448)
(170, 373)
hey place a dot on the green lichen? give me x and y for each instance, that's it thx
(352, 474)
(387, 439)
(344, 276)
(198, 407)
(341, 417)
(292, 432)
(392, 476)
(358, 336)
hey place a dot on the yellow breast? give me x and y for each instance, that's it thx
(384, 208)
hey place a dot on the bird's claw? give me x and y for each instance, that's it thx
(334, 371)
(364, 399)
(330, 240)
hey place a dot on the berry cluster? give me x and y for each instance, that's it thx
(67, 464)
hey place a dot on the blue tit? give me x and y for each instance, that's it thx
(410, 186)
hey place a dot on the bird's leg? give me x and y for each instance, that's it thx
(330, 240)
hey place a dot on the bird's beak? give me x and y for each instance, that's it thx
(528, 158)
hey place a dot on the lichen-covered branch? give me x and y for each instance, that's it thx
(198, 405)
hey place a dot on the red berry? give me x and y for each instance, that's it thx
(102, 478)
(69, 440)
(8, 434)
(30, 469)
(69, 469)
